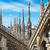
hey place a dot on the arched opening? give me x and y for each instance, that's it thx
(44, 45)
(0, 48)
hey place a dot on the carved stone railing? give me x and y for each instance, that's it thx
(7, 33)
(33, 37)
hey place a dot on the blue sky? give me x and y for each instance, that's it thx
(11, 8)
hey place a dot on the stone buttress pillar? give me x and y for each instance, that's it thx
(4, 43)
(38, 41)
(48, 46)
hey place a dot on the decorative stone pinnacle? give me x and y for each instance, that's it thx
(48, 0)
(23, 12)
(29, 11)
(19, 18)
(0, 10)
(41, 0)
(10, 24)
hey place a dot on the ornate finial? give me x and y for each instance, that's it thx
(0, 10)
(10, 24)
(22, 15)
(41, 0)
(19, 18)
(48, 0)
(14, 20)
(42, 8)
(23, 12)
(0, 16)
(29, 11)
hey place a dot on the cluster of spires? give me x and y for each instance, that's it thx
(17, 30)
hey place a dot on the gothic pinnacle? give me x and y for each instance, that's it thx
(41, 8)
(19, 28)
(48, 1)
(0, 10)
(28, 24)
(22, 15)
(19, 18)
(41, 0)
(14, 27)
(23, 26)
(10, 24)
(0, 17)
(29, 11)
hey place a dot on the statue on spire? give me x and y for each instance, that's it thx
(29, 11)
(48, 1)
(41, 8)
(41, 0)
(0, 17)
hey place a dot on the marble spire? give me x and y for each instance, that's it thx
(14, 27)
(23, 26)
(48, 1)
(0, 17)
(10, 24)
(42, 8)
(28, 24)
(19, 28)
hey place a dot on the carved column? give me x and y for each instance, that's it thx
(38, 41)
(4, 43)
(48, 46)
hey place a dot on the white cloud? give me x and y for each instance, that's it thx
(18, 7)
(10, 15)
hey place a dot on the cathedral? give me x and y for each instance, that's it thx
(21, 37)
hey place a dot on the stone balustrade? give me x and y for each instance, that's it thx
(9, 36)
